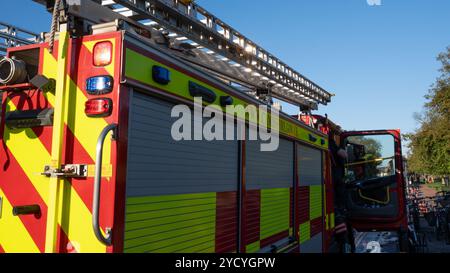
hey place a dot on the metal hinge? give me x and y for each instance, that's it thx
(69, 170)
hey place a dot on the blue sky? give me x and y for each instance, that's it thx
(378, 60)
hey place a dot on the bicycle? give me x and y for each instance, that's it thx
(442, 215)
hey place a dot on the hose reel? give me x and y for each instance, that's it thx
(12, 71)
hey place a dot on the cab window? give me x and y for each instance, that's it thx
(369, 157)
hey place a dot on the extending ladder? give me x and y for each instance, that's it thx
(11, 36)
(213, 45)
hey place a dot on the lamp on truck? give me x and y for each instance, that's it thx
(102, 54)
(99, 85)
(12, 71)
(101, 107)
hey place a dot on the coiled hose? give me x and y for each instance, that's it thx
(54, 24)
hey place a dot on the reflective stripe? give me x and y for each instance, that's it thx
(172, 223)
(76, 214)
(315, 199)
(305, 232)
(274, 211)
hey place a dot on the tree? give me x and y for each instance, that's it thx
(430, 144)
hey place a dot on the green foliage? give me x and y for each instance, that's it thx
(430, 144)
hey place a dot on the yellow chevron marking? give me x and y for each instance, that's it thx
(31, 154)
(74, 213)
(23, 143)
(85, 129)
(14, 237)
(76, 221)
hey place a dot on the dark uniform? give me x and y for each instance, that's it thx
(338, 173)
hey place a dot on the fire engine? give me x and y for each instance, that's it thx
(88, 163)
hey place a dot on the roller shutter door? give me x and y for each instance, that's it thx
(269, 181)
(181, 196)
(310, 201)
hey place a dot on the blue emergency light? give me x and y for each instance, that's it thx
(99, 85)
(161, 75)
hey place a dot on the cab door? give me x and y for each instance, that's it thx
(374, 181)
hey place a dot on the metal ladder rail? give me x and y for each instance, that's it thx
(240, 76)
(11, 36)
(210, 32)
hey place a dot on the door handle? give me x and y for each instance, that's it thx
(97, 184)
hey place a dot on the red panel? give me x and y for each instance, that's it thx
(226, 222)
(275, 238)
(242, 198)
(122, 148)
(291, 201)
(1, 249)
(316, 226)
(303, 204)
(252, 215)
(329, 200)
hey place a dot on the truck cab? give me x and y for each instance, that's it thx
(372, 177)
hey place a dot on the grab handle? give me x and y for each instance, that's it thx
(97, 183)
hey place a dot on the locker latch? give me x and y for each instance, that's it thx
(69, 170)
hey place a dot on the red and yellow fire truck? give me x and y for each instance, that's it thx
(88, 163)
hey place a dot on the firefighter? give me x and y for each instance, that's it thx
(344, 236)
